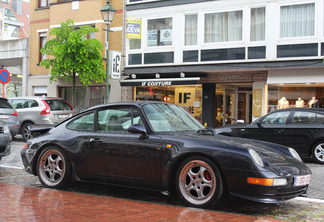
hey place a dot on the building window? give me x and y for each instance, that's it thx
(42, 3)
(42, 41)
(297, 20)
(257, 30)
(223, 27)
(9, 15)
(159, 32)
(191, 27)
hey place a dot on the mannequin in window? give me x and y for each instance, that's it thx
(300, 103)
(313, 103)
(283, 103)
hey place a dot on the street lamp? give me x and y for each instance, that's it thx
(108, 13)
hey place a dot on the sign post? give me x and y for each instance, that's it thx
(4, 79)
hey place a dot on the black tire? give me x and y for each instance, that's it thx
(25, 132)
(318, 152)
(199, 182)
(54, 168)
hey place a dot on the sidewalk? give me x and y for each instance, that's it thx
(22, 203)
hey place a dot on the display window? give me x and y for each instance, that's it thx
(187, 96)
(282, 97)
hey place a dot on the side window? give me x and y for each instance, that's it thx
(319, 119)
(117, 120)
(31, 103)
(304, 118)
(84, 122)
(18, 103)
(276, 118)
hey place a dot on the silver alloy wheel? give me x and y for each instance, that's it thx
(197, 182)
(319, 152)
(52, 167)
(26, 133)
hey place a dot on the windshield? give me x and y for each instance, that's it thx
(169, 117)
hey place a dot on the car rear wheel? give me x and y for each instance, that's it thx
(199, 183)
(318, 152)
(54, 168)
(25, 132)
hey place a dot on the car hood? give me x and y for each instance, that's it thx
(265, 149)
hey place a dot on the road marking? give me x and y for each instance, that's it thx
(12, 167)
(309, 199)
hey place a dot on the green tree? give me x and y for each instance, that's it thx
(71, 53)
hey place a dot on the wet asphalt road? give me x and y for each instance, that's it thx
(302, 209)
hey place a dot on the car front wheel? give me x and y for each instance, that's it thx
(54, 168)
(199, 183)
(318, 152)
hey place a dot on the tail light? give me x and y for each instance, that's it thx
(14, 114)
(46, 110)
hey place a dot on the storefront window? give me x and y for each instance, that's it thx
(281, 97)
(189, 97)
(85, 96)
(159, 32)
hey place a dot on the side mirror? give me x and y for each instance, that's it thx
(259, 123)
(137, 128)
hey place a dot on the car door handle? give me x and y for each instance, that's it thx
(279, 131)
(95, 140)
(311, 131)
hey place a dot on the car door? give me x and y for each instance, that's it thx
(270, 128)
(123, 157)
(304, 129)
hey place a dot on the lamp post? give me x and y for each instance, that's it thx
(108, 13)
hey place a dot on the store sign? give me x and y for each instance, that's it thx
(157, 83)
(133, 28)
(115, 62)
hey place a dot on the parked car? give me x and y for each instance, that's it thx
(161, 146)
(299, 128)
(40, 110)
(9, 116)
(5, 139)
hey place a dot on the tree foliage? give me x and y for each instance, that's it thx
(71, 53)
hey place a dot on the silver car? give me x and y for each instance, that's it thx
(9, 116)
(40, 110)
(5, 139)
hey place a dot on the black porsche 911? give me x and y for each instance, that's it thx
(160, 146)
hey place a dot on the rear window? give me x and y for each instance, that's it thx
(5, 104)
(58, 104)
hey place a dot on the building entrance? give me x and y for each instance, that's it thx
(233, 102)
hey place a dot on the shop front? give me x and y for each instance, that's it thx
(214, 99)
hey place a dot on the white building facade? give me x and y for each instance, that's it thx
(225, 58)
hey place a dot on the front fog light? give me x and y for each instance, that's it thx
(280, 182)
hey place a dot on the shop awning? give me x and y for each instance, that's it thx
(161, 79)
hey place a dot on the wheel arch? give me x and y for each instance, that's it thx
(23, 123)
(40, 150)
(180, 160)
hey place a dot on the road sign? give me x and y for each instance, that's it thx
(4, 76)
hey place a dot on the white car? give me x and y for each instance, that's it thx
(40, 110)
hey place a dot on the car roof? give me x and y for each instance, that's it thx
(125, 103)
(300, 109)
(34, 97)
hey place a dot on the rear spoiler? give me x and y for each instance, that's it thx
(40, 129)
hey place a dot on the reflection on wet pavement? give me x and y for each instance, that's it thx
(22, 203)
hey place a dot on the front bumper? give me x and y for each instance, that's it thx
(238, 186)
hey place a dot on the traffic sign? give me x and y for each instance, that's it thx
(4, 76)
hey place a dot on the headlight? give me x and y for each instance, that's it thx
(255, 156)
(295, 154)
(6, 129)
